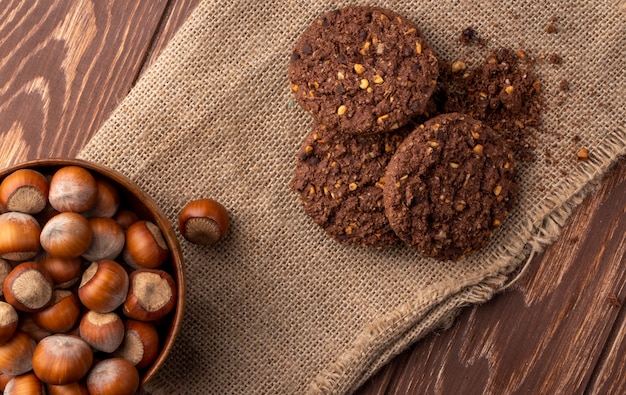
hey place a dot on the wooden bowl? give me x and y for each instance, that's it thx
(145, 207)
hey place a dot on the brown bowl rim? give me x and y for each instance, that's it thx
(160, 219)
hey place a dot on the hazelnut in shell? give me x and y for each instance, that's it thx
(5, 269)
(107, 240)
(75, 388)
(66, 235)
(64, 272)
(107, 200)
(72, 188)
(28, 326)
(24, 190)
(203, 221)
(141, 343)
(28, 287)
(16, 354)
(61, 314)
(151, 295)
(8, 321)
(62, 359)
(103, 331)
(103, 286)
(23, 384)
(125, 218)
(145, 246)
(19, 236)
(4, 379)
(113, 376)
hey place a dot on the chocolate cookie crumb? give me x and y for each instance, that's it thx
(555, 59)
(551, 29)
(503, 92)
(467, 35)
(564, 85)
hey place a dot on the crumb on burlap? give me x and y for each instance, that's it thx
(555, 59)
(582, 154)
(564, 85)
(551, 29)
(503, 92)
(467, 35)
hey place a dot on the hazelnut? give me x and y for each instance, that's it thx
(62, 313)
(113, 376)
(103, 331)
(72, 188)
(75, 388)
(107, 240)
(107, 200)
(24, 190)
(27, 383)
(16, 354)
(66, 235)
(203, 221)
(64, 272)
(62, 359)
(125, 218)
(151, 295)
(28, 287)
(4, 379)
(5, 269)
(103, 286)
(141, 343)
(145, 246)
(8, 321)
(27, 325)
(19, 236)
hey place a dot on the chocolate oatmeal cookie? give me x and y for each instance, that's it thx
(340, 181)
(449, 184)
(362, 70)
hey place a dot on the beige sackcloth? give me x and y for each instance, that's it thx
(280, 308)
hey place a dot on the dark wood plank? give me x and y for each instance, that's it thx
(548, 334)
(65, 66)
(174, 16)
(610, 375)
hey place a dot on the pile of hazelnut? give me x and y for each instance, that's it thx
(84, 290)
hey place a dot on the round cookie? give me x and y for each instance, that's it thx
(449, 184)
(362, 70)
(340, 180)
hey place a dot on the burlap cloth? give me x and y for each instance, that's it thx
(278, 307)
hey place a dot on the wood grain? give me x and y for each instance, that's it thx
(65, 66)
(560, 330)
(173, 17)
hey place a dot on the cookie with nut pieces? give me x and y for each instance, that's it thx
(449, 185)
(340, 179)
(362, 70)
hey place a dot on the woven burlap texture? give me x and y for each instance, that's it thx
(278, 307)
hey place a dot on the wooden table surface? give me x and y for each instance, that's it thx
(560, 330)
